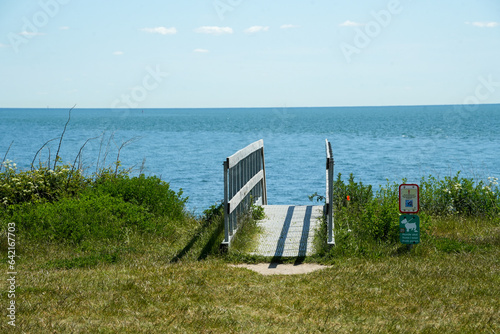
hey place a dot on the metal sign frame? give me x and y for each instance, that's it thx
(407, 198)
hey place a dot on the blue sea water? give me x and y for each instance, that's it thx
(186, 147)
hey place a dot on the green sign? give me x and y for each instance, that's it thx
(409, 229)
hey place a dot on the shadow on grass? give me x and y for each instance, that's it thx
(213, 242)
(200, 235)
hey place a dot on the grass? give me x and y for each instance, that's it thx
(112, 253)
(426, 290)
(138, 287)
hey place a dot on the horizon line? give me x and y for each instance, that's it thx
(281, 107)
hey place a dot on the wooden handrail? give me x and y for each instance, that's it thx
(244, 182)
(243, 153)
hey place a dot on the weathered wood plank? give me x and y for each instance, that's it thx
(288, 230)
(240, 195)
(243, 153)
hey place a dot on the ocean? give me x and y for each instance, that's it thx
(186, 147)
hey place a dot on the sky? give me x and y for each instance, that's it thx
(248, 53)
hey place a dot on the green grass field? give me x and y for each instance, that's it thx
(111, 253)
(141, 290)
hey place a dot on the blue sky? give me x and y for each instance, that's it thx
(248, 53)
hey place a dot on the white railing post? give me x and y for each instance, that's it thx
(329, 193)
(226, 203)
(264, 187)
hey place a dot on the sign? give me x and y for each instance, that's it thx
(409, 229)
(409, 198)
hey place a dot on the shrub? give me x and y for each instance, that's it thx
(89, 217)
(364, 215)
(62, 204)
(150, 192)
(460, 196)
(377, 216)
(358, 193)
(39, 185)
(214, 211)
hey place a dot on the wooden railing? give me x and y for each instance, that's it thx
(329, 193)
(244, 185)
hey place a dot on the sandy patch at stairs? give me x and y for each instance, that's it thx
(282, 269)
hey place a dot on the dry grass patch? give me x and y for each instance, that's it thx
(442, 293)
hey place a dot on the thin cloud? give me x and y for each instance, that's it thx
(31, 34)
(200, 50)
(349, 23)
(118, 53)
(289, 26)
(64, 28)
(214, 30)
(4, 45)
(255, 29)
(484, 24)
(160, 30)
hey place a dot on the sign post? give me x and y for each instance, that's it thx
(409, 222)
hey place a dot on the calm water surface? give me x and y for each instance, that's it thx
(186, 147)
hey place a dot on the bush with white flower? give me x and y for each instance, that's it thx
(37, 185)
(459, 195)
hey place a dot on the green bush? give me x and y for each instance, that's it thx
(364, 215)
(39, 185)
(89, 217)
(214, 211)
(359, 194)
(64, 205)
(460, 196)
(363, 218)
(149, 192)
